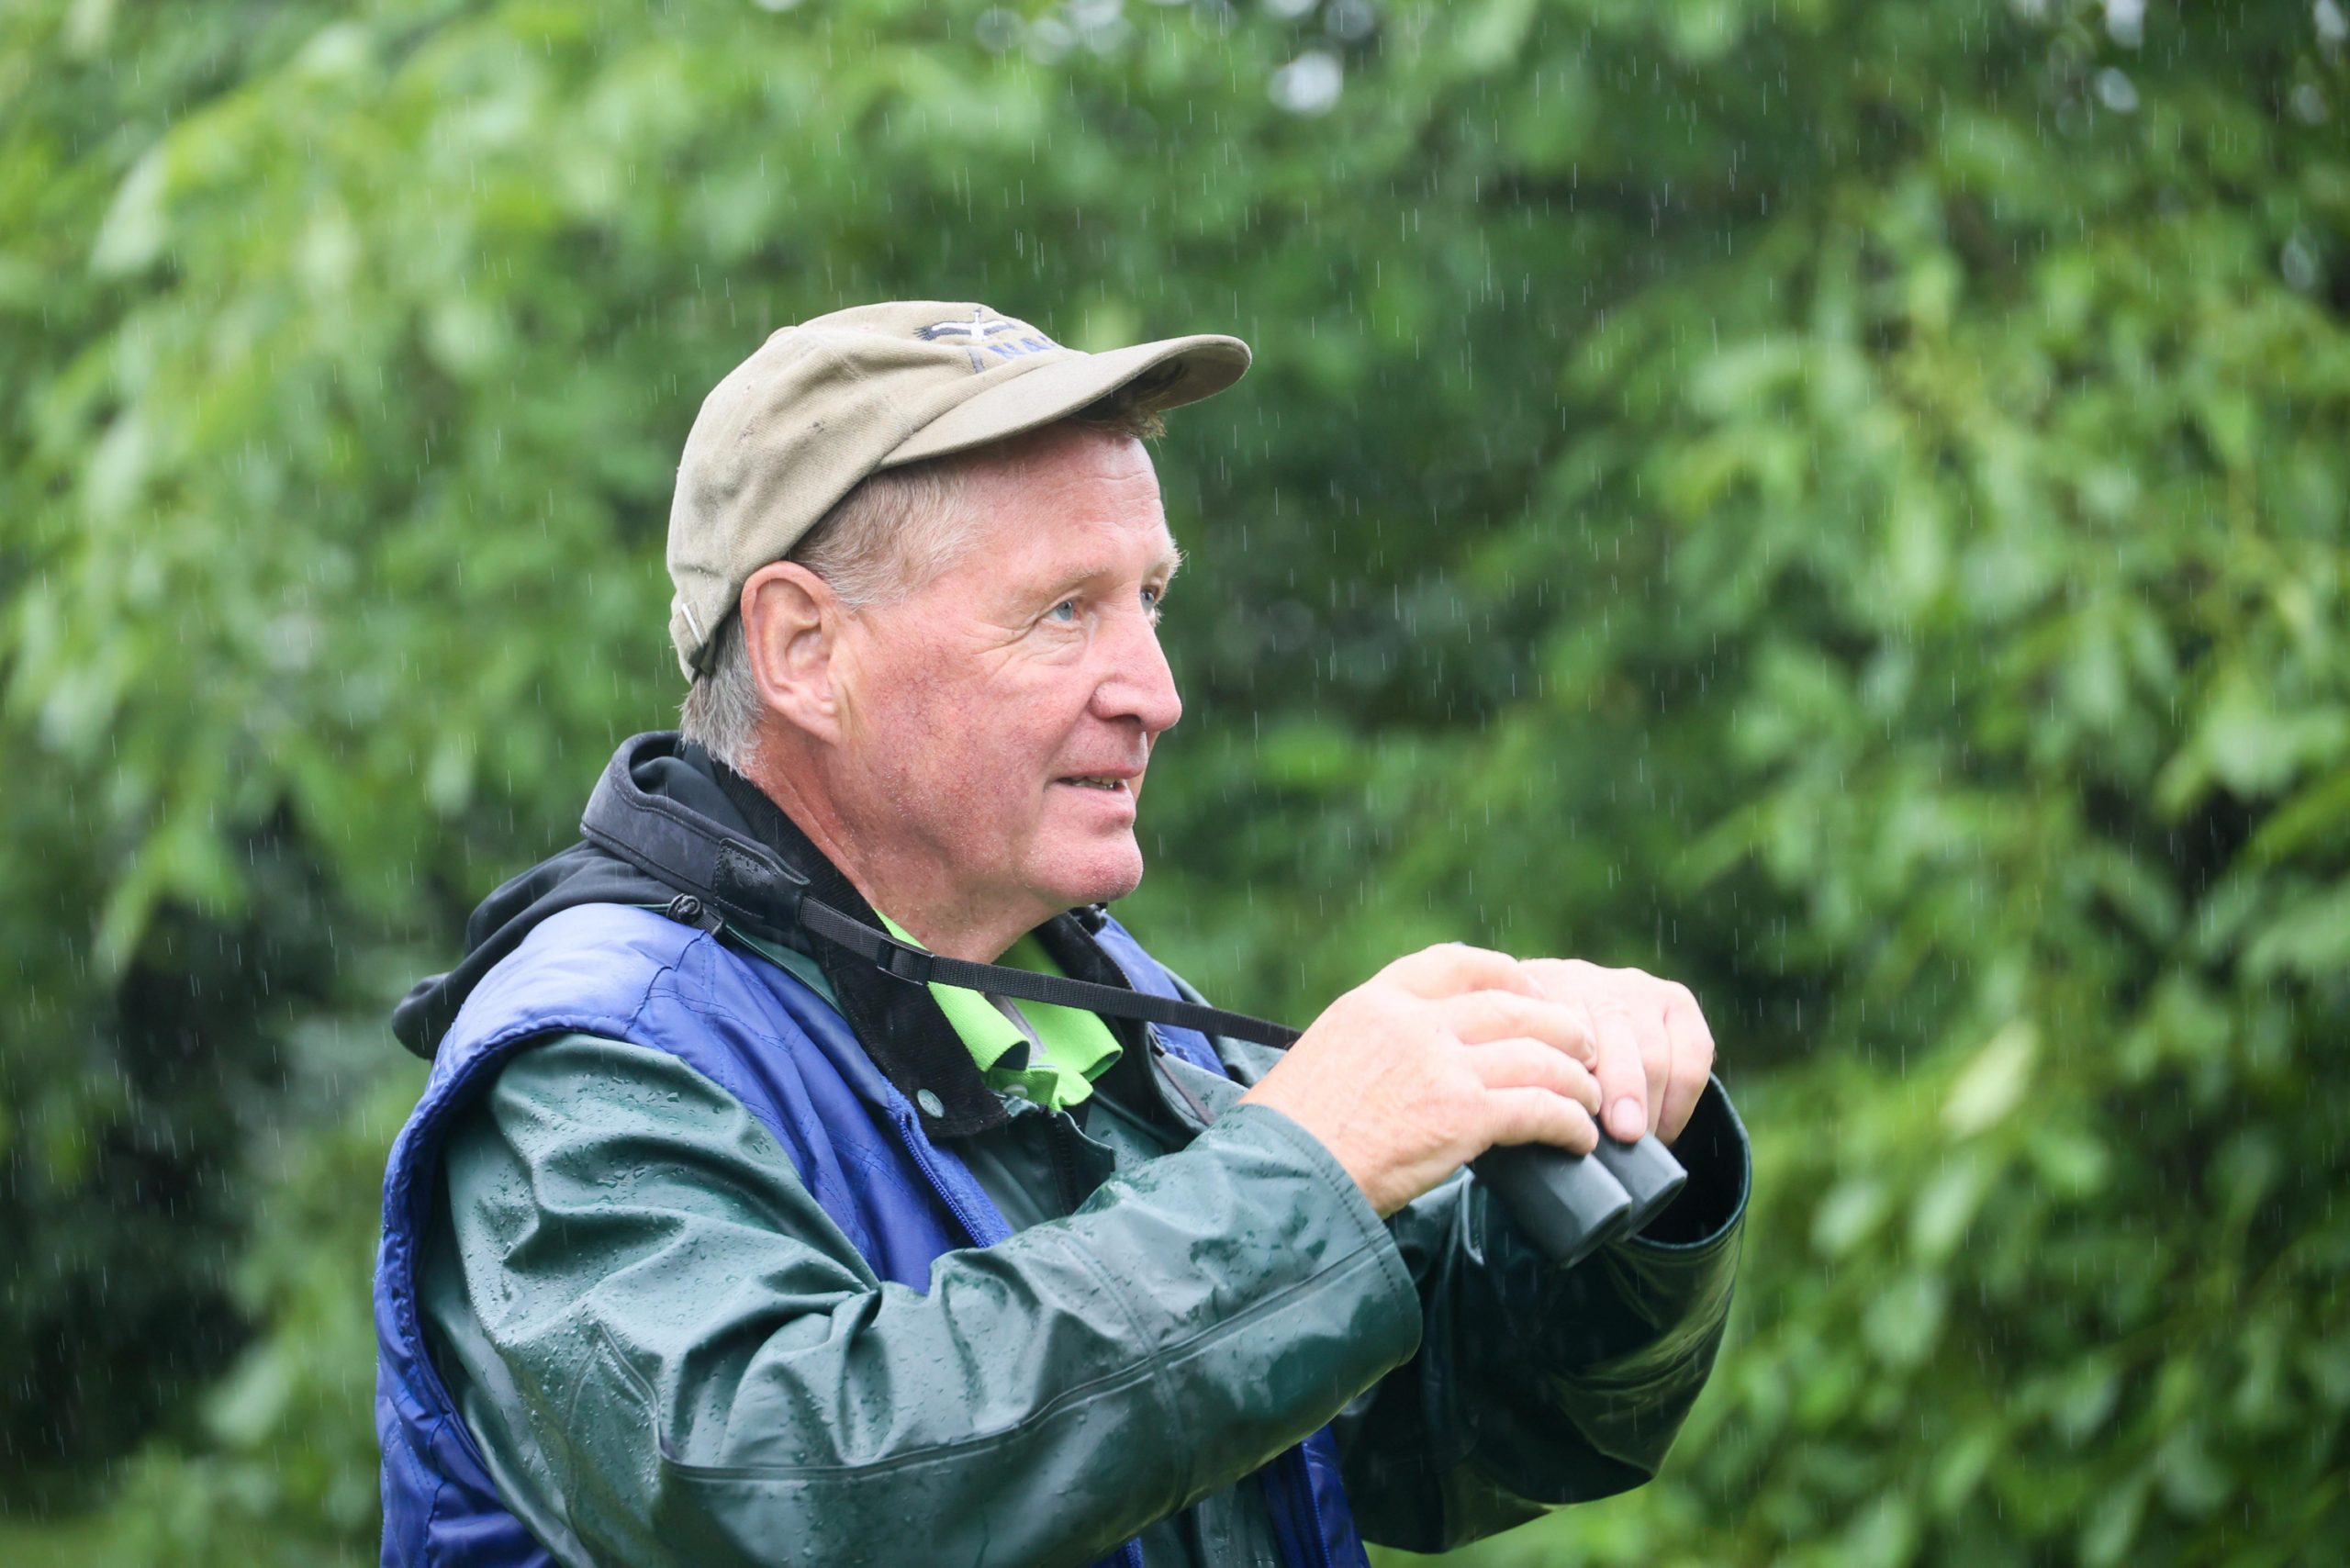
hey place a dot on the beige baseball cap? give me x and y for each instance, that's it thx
(823, 404)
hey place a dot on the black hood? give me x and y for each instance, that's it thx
(670, 826)
(644, 769)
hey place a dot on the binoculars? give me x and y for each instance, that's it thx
(1570, 1203)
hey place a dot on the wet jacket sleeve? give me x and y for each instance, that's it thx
(1537, 1385)
(693, 1363)
(1534, 1386)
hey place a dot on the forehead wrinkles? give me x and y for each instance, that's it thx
(1163, 562)
(901, 530)
(1065, 536)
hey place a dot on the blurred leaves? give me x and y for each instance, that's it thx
(1842, 503)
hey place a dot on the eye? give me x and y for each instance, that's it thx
(1055, 613)
(1152, 598)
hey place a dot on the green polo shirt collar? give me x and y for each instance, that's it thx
(1054, 1061)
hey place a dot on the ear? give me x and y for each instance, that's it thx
(792, 624)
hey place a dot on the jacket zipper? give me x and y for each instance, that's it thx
(1062, 1130)
(910, 1134)
(1158, 1054)
(1316, 1545)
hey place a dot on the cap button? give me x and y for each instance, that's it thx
(932, 1106)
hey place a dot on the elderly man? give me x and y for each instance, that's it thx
(713, 1239)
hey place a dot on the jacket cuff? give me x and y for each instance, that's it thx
(1706, 1213)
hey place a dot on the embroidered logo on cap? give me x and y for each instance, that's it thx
(999, 335)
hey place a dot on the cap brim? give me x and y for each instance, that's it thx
(1204, 365)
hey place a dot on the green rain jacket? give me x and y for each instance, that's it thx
(1493, 1385)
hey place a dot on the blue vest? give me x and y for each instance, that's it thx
(760, 1034)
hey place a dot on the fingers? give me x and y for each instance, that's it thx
(1536, 1116)
(1477, 1017)
(1693, 1062)
(1622, 1065)
(1655, 1049)
(1623, 1075)
(1646, 1010)
(1451, 968)
(1534, 1064)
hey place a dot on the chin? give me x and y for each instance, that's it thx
(1103, 879)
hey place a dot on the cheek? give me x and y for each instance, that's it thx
(962, 759)
(969, 758)
(1003, 763)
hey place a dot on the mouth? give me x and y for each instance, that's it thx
(1109, 783)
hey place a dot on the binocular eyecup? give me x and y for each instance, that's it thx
(1569, 1204)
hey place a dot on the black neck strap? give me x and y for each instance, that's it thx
(912, 963)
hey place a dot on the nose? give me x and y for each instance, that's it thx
(1137, 682)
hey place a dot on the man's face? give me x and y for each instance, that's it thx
(997, 723)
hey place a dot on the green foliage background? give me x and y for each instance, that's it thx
(1841, 502)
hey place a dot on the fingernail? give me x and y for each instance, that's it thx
(1628, 1120)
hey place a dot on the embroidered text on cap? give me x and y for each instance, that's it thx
(988, 330)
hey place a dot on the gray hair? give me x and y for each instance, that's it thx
(891, 537)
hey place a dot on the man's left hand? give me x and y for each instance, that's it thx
(1655, 1051)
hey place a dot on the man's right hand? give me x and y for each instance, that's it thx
(1430, 1062)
